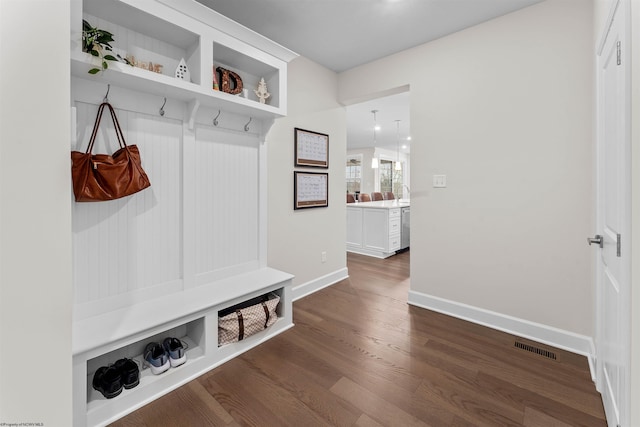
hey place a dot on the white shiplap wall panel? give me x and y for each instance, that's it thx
(226, 234)
(126, 248)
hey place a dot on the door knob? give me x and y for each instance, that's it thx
(597, 239)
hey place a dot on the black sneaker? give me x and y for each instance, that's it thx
(107, 381)
(129, 372)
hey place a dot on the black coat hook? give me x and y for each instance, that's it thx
(162, 108)
(215, 119)
(246, 127)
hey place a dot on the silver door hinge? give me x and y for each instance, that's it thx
(618, 246)
(619, 49)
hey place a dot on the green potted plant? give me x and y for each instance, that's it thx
(97, 43)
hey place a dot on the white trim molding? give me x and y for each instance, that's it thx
(315, 285)
(565, 340)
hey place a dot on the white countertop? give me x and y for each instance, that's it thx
(381, 204)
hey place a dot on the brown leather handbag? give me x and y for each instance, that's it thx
(100, 177)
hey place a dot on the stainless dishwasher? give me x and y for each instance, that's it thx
(406, 228)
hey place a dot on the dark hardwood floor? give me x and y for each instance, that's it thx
(359, 355)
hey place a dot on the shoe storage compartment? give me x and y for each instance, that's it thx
(100, 410)
(284, 311)
(255, 302)
(191, 334)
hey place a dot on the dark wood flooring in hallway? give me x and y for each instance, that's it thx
(359, 355)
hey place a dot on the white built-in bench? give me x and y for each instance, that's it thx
(191, 316)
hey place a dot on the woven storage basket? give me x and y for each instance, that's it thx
(239, 322)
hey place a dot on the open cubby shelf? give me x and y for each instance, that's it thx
(95, 399)
(153, 32)
(138, 79)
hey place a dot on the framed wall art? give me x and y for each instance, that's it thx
(310, 190)
(312, 148)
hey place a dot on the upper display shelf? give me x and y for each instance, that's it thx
(176, 48)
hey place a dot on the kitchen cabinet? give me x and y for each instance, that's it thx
(374, 228)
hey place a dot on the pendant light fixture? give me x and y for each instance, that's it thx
(374, 159)
(398, 164)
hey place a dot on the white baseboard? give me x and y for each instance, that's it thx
(315, 285)
(565, 340)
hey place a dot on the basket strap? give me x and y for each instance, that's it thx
(266, 314)
(240, 325)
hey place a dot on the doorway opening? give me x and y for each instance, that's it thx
(378, 164)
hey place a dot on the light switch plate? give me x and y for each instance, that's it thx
(439, 181)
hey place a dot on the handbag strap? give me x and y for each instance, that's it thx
(116, 124)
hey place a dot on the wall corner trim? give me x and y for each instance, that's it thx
(559, 338)
(315, 285)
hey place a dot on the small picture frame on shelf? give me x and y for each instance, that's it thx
(310, 190)
(312, 148)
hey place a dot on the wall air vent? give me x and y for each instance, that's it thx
(542, 352)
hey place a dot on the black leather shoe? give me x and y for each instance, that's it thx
(107, 381)
(129, 372)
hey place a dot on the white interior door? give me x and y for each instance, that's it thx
(613, 184)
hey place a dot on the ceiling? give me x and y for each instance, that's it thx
(390, 108)
(342, 34)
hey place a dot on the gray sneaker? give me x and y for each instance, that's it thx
(177, 355)
(156, 358)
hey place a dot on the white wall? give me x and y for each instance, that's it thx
(297, 238)
(35, 216)
(504, 109)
